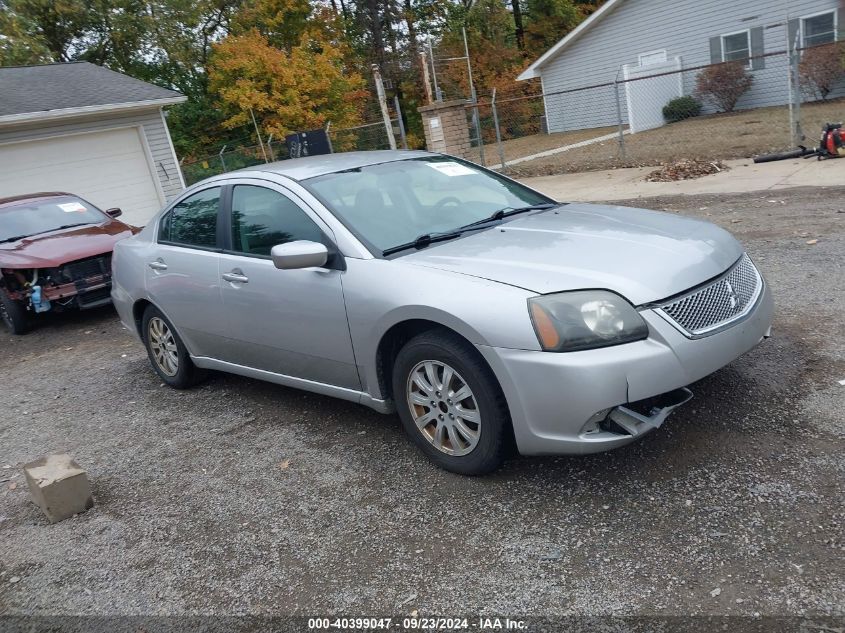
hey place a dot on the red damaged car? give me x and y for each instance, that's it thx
(55, 254)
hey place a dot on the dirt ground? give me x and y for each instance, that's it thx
(741, 134)
(240, 497)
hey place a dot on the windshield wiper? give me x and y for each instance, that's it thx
(58, 228)
(422, 241)
(501, 214)
(68, 226)
(429, 238)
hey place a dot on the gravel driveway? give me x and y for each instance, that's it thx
(244, 497)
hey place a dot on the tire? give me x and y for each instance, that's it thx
(166, 351)
(14, 314)
(464, 446)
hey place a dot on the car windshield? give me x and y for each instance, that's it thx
(391, 204)
(41, 216)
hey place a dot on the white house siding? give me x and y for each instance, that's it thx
(684, 29)
(151, 121)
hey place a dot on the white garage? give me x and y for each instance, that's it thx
(114, 153)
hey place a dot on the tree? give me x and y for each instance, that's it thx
(548, 22)
(302, 89)
(821, 68)
(49, 27)
(723, 84)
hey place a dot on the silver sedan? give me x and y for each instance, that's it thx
(483, 312)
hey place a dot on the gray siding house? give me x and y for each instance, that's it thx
(90, 131)
(631, 38)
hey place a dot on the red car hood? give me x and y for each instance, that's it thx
(59, 247)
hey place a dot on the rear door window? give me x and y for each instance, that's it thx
(193, 221)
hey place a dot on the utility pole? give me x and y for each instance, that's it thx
(382, 101)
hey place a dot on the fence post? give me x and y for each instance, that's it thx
(619, 115)
(260, 142)
(429, 99)
(795, 93)
(223, 162)
(438, 96)
(270, 148)
(401, 123)
(498, 131)
(382, 101)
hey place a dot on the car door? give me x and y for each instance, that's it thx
(182, 275)
(290, 322)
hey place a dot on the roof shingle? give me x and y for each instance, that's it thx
(29, 89)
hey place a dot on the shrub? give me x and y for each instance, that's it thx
(723, 84)
(681, 108)
(821, 67)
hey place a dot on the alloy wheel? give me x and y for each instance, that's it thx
(443, 407)
(163, 346)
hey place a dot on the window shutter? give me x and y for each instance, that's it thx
(715, 50)
(837, 20)
(757, 63)
(791, 30)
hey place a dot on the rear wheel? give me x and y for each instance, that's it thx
(167, 353)
(14, 314)
(450, 403)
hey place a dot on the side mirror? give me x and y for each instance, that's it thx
(299, 254)
(114, 213)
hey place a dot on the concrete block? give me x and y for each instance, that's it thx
(58, 486)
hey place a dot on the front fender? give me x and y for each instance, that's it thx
(383, 293)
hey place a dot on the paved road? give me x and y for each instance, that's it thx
(243, 497)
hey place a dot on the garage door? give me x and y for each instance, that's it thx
(109, 169)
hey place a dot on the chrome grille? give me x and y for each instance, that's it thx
(718, 303)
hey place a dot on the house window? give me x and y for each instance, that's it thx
(736, 46)
(652, 57)
(818, 29)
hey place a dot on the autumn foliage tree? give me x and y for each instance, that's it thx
(302, 88)
(821, 68)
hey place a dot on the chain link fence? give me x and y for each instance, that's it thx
(662, 113)
(373, 134)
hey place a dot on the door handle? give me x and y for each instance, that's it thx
(157, 265)
(236, 277)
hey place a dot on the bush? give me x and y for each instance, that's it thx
(723, 84)
(681, 108)
(821, 67)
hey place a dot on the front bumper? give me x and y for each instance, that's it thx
(558, 401)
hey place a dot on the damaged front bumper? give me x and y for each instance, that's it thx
(81, 284)
(595, 400)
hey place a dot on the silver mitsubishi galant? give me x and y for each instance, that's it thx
(480, 310)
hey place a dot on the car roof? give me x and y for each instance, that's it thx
(312, 166)
(13, 201)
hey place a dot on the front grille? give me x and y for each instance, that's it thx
(84, 268)
(718, 303)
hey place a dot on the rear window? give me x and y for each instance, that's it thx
(33, 218)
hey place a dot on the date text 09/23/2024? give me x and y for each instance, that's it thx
(417, 623)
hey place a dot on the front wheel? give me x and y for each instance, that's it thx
(450, 403)
(14, 314)
(168, 354)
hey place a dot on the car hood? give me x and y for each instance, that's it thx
(642, 255)
(53, 249)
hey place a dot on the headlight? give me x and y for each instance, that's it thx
(584, 319)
